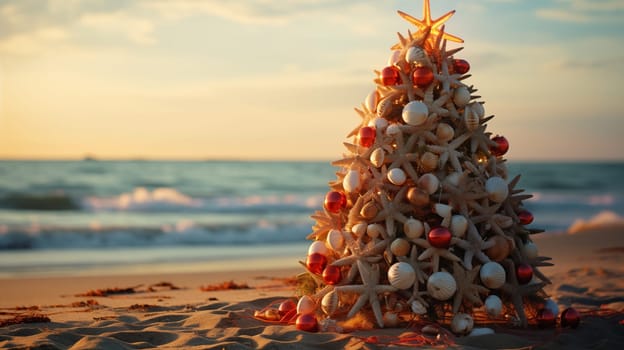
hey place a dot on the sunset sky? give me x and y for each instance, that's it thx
(278, 79)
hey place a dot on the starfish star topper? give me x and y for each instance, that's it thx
(434, 26)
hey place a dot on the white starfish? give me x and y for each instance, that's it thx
(448, 152)
(359, 251)
(435, 254)
(474, 246)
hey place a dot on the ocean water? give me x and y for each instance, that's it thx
(98, 217)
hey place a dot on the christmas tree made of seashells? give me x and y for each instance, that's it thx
(422, 220)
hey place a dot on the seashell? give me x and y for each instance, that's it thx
(329, 303)
(459, 224)
(418, 196)
(371, 101)
(493, 305)
(453, 178)
(441, 285)
(375, 230)
(429, 183)
(377, 157)
(306, 305)
(397, 176)
(443, 210)
(496, 189)
(418, 308)
(369, 210)
(501, 248)
(415, 55)
(393, 129)
(529, 250)
(400, 247)
(413, 228)
(480, 331)
(335, 240)
(318, 247)
(390, 319)
(379, 123)
(401, 275)
(461, 97)
(415, 113)
(462, 323)
(272, 315)
(351, 182)
(445, 132)
(477, 109)
(384, 107)
(552, 306)
(359, 229)
(429, 161)
(395, 57)
(492, 275)
(471, 120)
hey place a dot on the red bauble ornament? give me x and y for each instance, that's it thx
(286, 307)
(367, 136)
(461, 66)
(545, 318)
(390, 76)
(316, 263)
(307, 322)
(335, 201)
(440, 237)
(332, 275)
(525, 217)
(524, 273)
(570, 318)
(502, 146)
(422, 76)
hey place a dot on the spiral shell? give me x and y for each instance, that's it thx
(377, 157)
(400, 247)
(462, 323)
(445, 132)
(329, 303)
(471, 120)
(371, 101)
(496, 189)
(530, 250)
(413, 228)
(318, 247)
(384, 107)
(492, 275)
(351, 182)
(397, 176)
(441, 285)
(415, 55)
(459, 224)
(402, 275)
(429, 183)
(359, 229)
(335, 240)
(461, 97)
(493, 305)
(415, 113)
(375, 230)
(429, 161)
(418, 308)
(306, 305)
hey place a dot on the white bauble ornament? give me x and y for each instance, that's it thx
(375, 230)
(413, 228)
(415, 113)
(397, 176)
(306, 305)
(459, 224)
(418, 308)
(441, 285)
(394, 58)
(359, 229)
(429, 183)
(335, 240)
(318, 247)
(377, 157)
(552, 306)
(415, 55)
(462, 323)
(371, 101)
(401, 275)
(461, 97)
(351, 182)
(379, 123)
(429, 161)
(480, 331)
(492, 275)
(329, 303)
(493, 306)
(496, 189)
(445, 132)
(530, 250)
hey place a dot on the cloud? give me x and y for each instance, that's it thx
(37, 41)
(583, 11)
(138, 30)
(597, 63)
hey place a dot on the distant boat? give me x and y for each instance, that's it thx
(89, 158)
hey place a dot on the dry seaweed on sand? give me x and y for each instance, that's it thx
(227, 285)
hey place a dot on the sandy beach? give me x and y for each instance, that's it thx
(172, 310)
